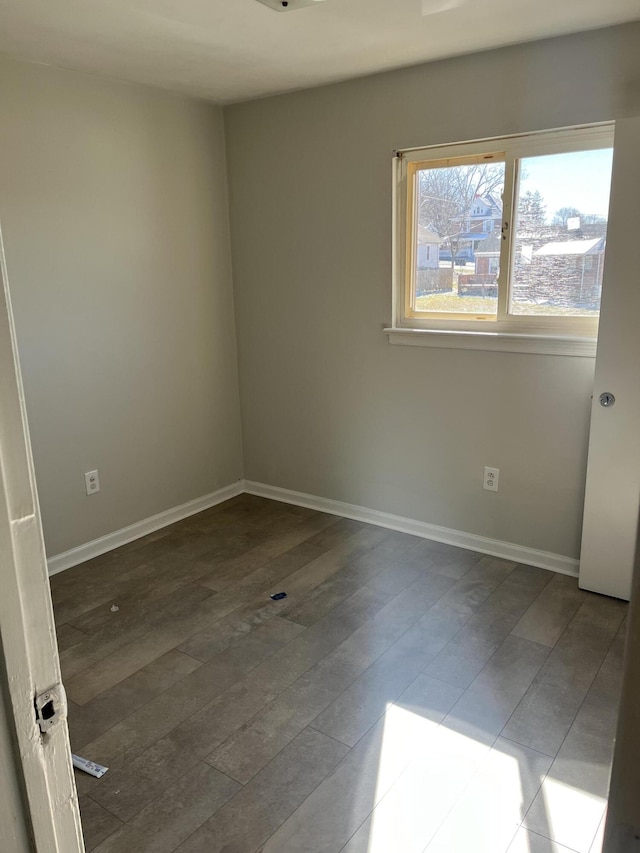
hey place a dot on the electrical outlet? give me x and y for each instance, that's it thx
(92, 482)
(491, 476)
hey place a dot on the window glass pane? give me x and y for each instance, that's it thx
(457, 251)
(560, 234)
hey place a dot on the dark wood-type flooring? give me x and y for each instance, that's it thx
(405, 696)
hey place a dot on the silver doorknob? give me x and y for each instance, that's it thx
(607, 399)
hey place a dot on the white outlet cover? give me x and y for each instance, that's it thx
(289, 5)
(92, 482)
(491, 479)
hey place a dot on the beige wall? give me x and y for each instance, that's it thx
(114, 211)
(329, 407)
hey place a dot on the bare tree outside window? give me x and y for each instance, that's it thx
(446, 196)
(460, 208)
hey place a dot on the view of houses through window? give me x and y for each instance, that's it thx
(557, 240)
(459, 209)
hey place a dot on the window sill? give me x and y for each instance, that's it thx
(496, 341)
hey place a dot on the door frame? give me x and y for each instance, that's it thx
(27, 626)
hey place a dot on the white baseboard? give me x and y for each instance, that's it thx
(141, 528)
(470, 541)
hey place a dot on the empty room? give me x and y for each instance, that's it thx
(319, 455)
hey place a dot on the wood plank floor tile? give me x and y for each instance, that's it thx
(443, 559)
(283, 567)
(404, 695)
(177, 739)
(547, 710)
(97, 823)
(184, 807)
(484, 709)
(246, 752)
(493, 806)
(239, 567)
(88, 722)
(127, 627)
(165, 635)
(338, 807)
(69, 636)
(467, 653)
(349, 716)
(526, 841)
(258, 810)
(301, 567)
(573, 797)
(136, 566)
(125, 792)
(119, 612)
(546, 619)
(358, 571)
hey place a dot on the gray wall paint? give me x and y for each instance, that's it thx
(329, 407)
(114, 210)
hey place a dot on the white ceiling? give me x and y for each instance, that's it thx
(230, 50)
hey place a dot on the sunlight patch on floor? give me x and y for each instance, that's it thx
(572, 814)
(443, 791)
(440, 763)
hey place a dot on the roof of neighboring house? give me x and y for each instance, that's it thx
(426, 236)
(490, 202)
(570, 247)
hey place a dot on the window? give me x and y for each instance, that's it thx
(520, 224)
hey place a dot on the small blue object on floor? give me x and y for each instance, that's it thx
(278, 595)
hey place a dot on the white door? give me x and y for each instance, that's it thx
(45, 793)
(612, 494)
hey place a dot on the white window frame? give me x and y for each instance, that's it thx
(504, 331)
